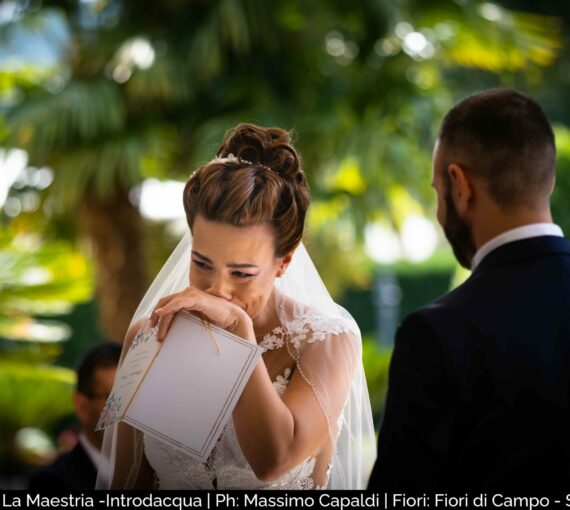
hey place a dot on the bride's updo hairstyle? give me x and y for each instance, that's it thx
(256, 178)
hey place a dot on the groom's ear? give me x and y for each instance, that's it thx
(283, 264)
(462, 190)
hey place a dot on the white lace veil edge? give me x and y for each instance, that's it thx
(352, 431)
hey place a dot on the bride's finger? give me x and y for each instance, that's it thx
(161, 303)
(167, 312)
(164, 326)
(175, 305)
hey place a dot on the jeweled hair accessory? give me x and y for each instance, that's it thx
(230, 158)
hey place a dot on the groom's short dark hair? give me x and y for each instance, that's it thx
(504, 137)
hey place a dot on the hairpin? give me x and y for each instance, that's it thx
(230, 158)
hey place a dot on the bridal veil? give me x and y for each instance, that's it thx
(326, 346)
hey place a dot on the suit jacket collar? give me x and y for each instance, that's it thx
(524, 249)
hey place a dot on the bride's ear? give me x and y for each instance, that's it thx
(283, 264)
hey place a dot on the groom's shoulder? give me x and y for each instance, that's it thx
(483, 290)
(448, 305)
(450, 299)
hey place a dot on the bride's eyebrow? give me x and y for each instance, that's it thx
(232, 265)
(203, 257)
(242, 266)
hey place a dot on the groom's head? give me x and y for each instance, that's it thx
(493, 168)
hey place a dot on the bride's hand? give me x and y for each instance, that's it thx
(225, 314)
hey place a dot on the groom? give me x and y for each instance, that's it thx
(479, 384)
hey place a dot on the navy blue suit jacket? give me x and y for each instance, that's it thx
(72, 471)
(479, 381)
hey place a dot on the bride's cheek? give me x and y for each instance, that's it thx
(247, 304)
(258, 304)
(197, 281)
(236, 300)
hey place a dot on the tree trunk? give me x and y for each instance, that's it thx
(114, 229)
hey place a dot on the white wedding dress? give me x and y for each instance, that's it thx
(227, 468)
(317, 344)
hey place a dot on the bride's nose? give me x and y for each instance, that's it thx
(220, 287)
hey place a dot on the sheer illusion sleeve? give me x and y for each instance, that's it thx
(332, 343)
(328, 365)
(327, 351)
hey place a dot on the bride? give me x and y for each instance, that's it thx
(303, 420)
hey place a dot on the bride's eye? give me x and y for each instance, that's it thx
(201, 265)
(243, 276)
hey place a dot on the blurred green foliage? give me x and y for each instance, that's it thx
(560, 201)
(38, 278)
(134, 92)
(30, 396)
(376, 364)
(36, 395)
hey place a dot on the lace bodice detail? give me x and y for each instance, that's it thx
(310, 326)
(227, 468)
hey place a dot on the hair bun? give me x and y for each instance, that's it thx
(256, 178)
(270, 147)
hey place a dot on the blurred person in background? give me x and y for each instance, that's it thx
(77, 469)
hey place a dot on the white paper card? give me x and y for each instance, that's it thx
(140, 355)
(191, 389)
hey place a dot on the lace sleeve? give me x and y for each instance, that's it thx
(327, 362)
(327, 353)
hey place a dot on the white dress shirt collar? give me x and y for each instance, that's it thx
(515, 234)
(94, 455)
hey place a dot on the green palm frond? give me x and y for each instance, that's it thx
(81, 113)
(124, 159)
(383, 151)
(233, 27)
(164, 82)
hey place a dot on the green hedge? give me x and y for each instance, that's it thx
(420, 284)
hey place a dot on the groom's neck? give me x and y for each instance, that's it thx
(495, 220)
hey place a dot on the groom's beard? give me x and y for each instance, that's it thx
(458, 233)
